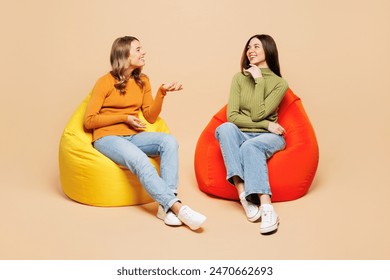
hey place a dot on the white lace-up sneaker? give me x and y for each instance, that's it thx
(191, 218)
(252, 211)
(169, 218)
(269, 218)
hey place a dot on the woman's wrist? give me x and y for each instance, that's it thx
(162, 90)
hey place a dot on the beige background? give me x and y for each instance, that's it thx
(334, 54)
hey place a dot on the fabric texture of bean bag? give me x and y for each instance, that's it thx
(291, 171)
(89, 177)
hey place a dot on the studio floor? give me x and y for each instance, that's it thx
(334, 56)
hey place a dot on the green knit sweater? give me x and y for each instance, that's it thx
(253, 103)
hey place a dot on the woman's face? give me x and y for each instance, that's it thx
(137, 55)
(255, 53)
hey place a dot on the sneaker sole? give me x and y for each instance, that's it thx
(162, 217)
(256, 217)
(198, 226)
(270, 229)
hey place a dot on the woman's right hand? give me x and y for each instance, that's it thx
(135, 123)
(276, 128)
(254, 71)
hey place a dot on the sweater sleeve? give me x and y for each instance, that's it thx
(93, 119)
(151, 109)
(263, 106)
(234, 114)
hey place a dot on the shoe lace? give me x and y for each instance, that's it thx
(187, 213)
(267, 215)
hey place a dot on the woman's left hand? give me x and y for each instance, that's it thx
(175, 86)
(276, 128)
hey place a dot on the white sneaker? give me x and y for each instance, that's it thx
(191, 218)
(269, 218)
(252, 211)
(169, 218)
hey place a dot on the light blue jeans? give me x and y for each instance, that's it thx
(133, 151)
(245, 155)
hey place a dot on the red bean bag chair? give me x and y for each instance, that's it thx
(291, 171)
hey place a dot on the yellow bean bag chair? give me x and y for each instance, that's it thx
(89, 177)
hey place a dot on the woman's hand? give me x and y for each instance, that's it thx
(135, 123)
(175, 86)
(276, 128)
(254, 71)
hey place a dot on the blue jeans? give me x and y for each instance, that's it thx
(133, 152)
(245, 155)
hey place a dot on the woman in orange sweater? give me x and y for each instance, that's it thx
(119, 134)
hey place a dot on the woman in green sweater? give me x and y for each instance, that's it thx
(252, 135)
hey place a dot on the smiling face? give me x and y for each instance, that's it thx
(137, 56)
(255, 53)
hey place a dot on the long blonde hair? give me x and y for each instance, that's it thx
(120, 53)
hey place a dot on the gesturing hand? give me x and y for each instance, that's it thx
(254, 71)
(135, 122)
(276, 128)
(175, 86)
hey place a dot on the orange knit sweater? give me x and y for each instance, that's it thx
(107, 110)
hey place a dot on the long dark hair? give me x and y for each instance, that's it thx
(270, 51)
(120, 53)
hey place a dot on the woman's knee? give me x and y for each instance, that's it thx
(252, 147)
(170, 142)
(224, 129)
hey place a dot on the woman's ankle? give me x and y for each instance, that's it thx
(265, 199)
(176, 207)
(239, 183)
